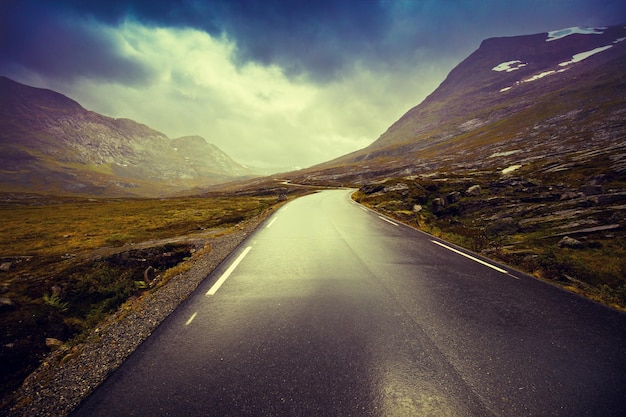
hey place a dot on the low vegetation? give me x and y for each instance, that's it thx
(562, 226)
(67, 263)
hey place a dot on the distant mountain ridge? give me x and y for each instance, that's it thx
(51, 144)
(519, 98)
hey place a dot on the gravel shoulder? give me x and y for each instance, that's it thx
(67, 376)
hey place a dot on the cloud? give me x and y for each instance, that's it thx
(271, 82)
(322, 39)
(314, 38)
(256, 113)
(318, 39)
(65, 47)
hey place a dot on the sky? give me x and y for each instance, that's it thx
(273, 83)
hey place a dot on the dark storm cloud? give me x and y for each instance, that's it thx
(321, 39)
(318, 38)
(314, 37)
(59, 45)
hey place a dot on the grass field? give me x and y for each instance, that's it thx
(67, 263)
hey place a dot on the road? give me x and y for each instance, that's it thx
(331, 310)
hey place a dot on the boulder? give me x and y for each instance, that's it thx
(396, 187)
(505, 226)
(5, 266)
(148, 274)
(570, 195)
(53, 343)
(474, 190)
(4, 301)
(570, 242)
(438, 205)
(281, 193)
(417, 208)
(453, 197)
(371, 188)
(591, 189)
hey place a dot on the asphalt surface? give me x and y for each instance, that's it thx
(330, 310)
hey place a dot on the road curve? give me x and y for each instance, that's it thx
(329, 309)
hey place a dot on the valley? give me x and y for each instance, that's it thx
(519, 155)
(544, 148)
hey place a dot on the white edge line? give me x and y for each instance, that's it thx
(363, 208)
(387, 220)
(229, 271)
(193, 316)
(473, 258)
(271, 223)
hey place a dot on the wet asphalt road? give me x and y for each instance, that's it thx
(330, 310)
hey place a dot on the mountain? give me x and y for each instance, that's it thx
(207, 159)
(50, 144)
(535, 100)
(520, 155)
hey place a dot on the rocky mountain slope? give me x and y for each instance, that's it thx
(50, 144)
(520, 154)
(535, 100)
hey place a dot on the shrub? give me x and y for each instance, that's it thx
(55, 301)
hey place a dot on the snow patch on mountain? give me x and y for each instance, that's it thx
(584, 55)
(542, 74)
(514, 65)
(509, 66)
(581, 30)
(534, 78)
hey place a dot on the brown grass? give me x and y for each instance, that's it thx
(73, 261)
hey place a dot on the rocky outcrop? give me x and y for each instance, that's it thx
(474, 190)
(438, 205)
(509, 206)
(453, 197)
(504, 226)
(569, 242)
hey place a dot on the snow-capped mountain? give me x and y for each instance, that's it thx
(561, 67)
(514, 100)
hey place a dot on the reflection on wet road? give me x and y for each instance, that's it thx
(331, 310)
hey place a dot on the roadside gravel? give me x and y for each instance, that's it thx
(66, 377)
